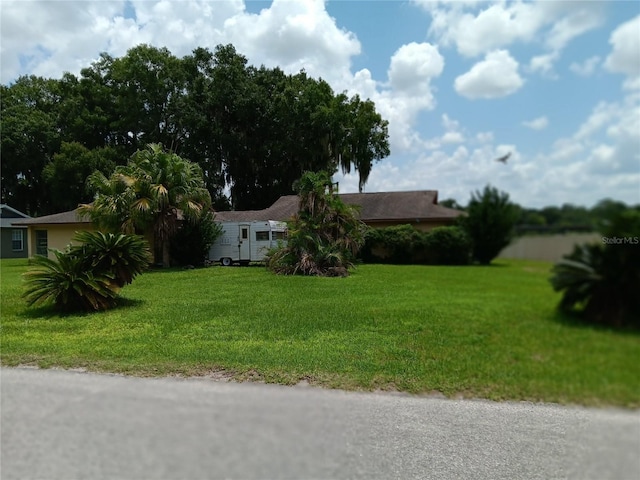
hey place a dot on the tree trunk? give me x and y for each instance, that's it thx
(166, 257)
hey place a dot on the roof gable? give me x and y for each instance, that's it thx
(9, 216)
(9, 212)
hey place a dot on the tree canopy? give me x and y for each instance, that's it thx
(252, 130)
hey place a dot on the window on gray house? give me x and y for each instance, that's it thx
(17, 240)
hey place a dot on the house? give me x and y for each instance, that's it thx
(12, 237)
(382, 209)
(52, 231)
(378, 210)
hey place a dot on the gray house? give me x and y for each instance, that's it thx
(13, 238)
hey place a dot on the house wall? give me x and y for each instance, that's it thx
(550, 248)
(6, 244)
(58, 236)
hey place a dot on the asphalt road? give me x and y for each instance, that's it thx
(70, 425)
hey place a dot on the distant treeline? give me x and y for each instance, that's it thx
(566, 218)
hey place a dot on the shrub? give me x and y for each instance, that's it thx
(126, 256)
(190, 246)
(87, 276)
(448, 246)
(601, 282)
(324, 237)
(400, 244)
(67, 284)
(403, 244)
(489, 222)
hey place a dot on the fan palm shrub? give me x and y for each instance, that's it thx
(125, 256)
(601, 282)
(68, 285)
(88, 276)
(324, 237)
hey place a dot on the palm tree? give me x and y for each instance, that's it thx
(325, 235)
(151, 194)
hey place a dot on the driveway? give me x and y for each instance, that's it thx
(67, 425)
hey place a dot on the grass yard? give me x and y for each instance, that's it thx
(489, 332)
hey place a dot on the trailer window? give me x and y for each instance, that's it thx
(262, 236)
(279, 235)
(245, 233)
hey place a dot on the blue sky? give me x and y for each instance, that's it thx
(557, 84)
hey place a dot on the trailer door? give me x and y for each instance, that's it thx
(244, 243)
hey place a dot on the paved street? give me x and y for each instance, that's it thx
(71, 425)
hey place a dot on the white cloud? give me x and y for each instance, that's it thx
(543, 64)
(413, 66)
(625, 55)
(579, 18)
(476, 28)
(495, 76)
(295, 35)
(539, 123)
(586, 68)
(475, 34)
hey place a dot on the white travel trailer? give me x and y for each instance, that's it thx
(244, 242)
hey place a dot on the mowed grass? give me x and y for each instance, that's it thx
(489, 332)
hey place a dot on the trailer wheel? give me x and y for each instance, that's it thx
(226, 261)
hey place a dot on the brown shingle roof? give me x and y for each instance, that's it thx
(421, 205)
(55, 219)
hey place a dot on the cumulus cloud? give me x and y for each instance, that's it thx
(413, 65)
(475, 34)
(476, 28)
(625, 54)
(495, 76)
(539, 123)
(406, 93)
(296, 35)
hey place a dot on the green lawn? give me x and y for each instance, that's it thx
(490, 332)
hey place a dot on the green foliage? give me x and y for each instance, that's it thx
(324, 237)
(400, 244)
(251, 130)
(602, 281)
(403, 244)
(68, 284)
(489, 222)
(150, 194)
(191, 244)
(29, 139)
(125, 256)
(448, 246)
(88, 276)
(66, 175)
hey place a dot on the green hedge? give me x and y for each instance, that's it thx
(403, 244)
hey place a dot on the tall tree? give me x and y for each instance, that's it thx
(151, 194)
(253, 131)
(66, 175)
(29, 139)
